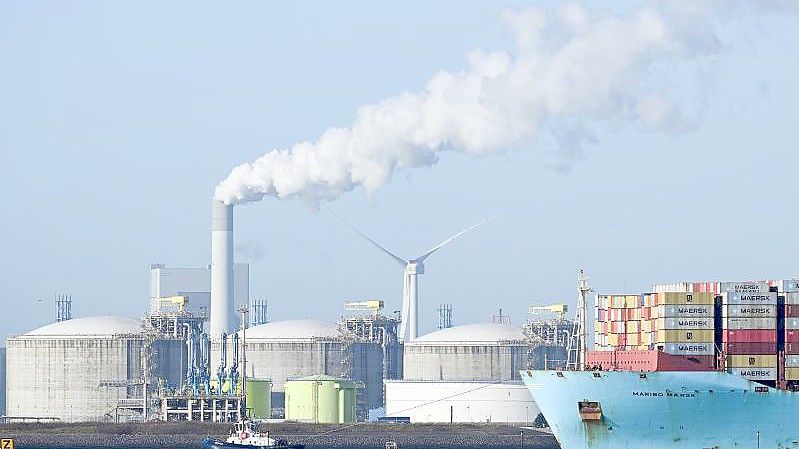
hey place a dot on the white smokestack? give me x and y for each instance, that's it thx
(221, 269)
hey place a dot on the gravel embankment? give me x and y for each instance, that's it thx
(189, 435)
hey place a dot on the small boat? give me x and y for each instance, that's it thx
(245, 436)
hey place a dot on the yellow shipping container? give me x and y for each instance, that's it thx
(746, 361)
(686, 336)
(633, 340)
(613, 339)
(631, 301)
(633, 327)
(696, 298)
(647, 326)
(792, 373)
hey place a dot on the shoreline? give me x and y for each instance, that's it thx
(365, 435)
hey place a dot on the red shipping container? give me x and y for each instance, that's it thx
(792, 348)
(752, 348)
(646, 313)
(750, 335)
(792, 336)
(792, 310)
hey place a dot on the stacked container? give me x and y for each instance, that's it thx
(749, 330)
(684, 323)
(618, 322)
(792, 332)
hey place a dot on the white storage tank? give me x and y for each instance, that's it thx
(472, 352)
(74, 370)
(460, 402)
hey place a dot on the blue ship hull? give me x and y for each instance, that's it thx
(662, 410)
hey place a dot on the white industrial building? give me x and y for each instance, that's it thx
(195, 283)
(291, 349)
(476, 352)
(460, 402)
(74, 370)
(467, 373)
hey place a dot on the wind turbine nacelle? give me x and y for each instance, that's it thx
(414, 267)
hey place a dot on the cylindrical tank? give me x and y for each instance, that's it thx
(74, 370)
(321, 399)
(476, 352)
(259, 398)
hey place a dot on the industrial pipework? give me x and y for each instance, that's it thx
(221, 372)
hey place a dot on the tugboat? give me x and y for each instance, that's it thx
(245, 436)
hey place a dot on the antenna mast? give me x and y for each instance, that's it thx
(579, 337)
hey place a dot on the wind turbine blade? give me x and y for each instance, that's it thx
(379, 246)
(427, 254)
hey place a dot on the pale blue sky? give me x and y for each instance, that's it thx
(117, 119)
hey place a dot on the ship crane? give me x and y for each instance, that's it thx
(578, 338)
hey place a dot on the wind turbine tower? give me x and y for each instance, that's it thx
(409, 329)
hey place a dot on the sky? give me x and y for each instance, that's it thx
(119, 119)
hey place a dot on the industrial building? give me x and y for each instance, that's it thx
(471, 352)
(460, 402)
(467, 373)
(291, 349)
(195, 284)
(75, 370)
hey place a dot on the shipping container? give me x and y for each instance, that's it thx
(750, 335)
(752, 348)
(792, 298)
(672, 298)
(683, 323)
(792, 361)
(752, 360)
(689, 348)
(792, 310)
(791, 373)
(749, 311)
(682, 311)
(749, 298)
(674, 287)
(618, 327)
(789, 286)
(755, 373)
(791, 323)
(733, 323)
(694, 335)
(743, 287)
(792, 336)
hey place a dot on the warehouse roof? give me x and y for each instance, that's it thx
(294, 330)
(472, 334)
(90, 326)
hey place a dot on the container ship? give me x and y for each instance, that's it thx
(688, 365)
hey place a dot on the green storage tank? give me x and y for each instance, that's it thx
(259, 398)
(321, 399)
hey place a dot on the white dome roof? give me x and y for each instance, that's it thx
(91, 326)
(490, 333)
(293, 330)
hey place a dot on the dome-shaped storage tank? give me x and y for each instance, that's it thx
(472, 352)
(74, 370)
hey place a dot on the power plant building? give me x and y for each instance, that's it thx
(292, 349)
(195, 283)
(74, 370)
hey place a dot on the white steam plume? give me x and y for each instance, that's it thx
(570, 65)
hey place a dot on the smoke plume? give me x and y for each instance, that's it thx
(571, 65)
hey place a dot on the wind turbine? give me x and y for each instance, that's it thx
(410, 281)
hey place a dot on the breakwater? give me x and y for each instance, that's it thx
(367, 435)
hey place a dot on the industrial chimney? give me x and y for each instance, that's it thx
(221, 269)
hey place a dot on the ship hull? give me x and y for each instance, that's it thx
(657, 410)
